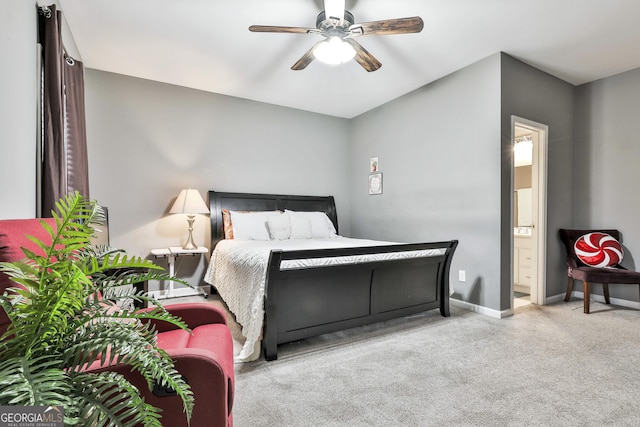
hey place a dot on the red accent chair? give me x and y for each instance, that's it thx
(13, 237)
(204, 356)
(576, 270)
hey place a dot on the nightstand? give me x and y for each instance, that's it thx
(172, 253)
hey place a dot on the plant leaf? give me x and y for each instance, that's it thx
(60, 325)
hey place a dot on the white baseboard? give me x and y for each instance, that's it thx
(180, 292)
(499, 314)
(614, 301)
(480, 309)
(555, 299)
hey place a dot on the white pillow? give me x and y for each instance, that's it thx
(300, 227)
(321, 225)
(279, 228)
(251, 225)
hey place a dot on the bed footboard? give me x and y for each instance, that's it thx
(302, 302)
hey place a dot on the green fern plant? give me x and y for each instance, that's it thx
(65, 315)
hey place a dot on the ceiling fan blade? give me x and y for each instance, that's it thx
(306, 59)
(363, 57)
(388, 26)
(278, 29)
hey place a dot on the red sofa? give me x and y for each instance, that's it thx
(203, 356)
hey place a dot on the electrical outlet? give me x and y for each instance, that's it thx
(462, 276)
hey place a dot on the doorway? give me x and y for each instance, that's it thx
(529, 183)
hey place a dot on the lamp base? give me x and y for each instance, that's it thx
(190, 244)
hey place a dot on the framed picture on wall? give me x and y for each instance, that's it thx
(375, 183)
(374, 165)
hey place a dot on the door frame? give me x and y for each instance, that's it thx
(539, 190)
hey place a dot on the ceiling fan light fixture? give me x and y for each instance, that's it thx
(334, 51)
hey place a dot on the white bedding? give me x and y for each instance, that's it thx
(238, 268)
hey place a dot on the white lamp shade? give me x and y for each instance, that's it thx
(189, 201)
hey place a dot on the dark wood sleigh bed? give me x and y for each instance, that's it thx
(304, 302)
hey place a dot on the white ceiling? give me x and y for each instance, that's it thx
(206, 45)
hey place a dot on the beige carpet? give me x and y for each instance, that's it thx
(544, 366)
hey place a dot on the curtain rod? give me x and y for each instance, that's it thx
(44, 10)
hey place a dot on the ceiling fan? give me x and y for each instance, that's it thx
(339, 29)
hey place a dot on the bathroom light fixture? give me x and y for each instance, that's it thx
(334, 51)
(189, 202)
(523, 151)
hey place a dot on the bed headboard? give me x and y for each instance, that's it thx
(264, 202)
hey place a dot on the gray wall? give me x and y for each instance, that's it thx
(148, 140)
(439, 152)
(606, 173)
(535, 95)
(446, 153)
(18, 103)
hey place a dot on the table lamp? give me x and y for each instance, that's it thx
(189, 202)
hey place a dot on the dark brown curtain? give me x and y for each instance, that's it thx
(76, 132)
(64, 147)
